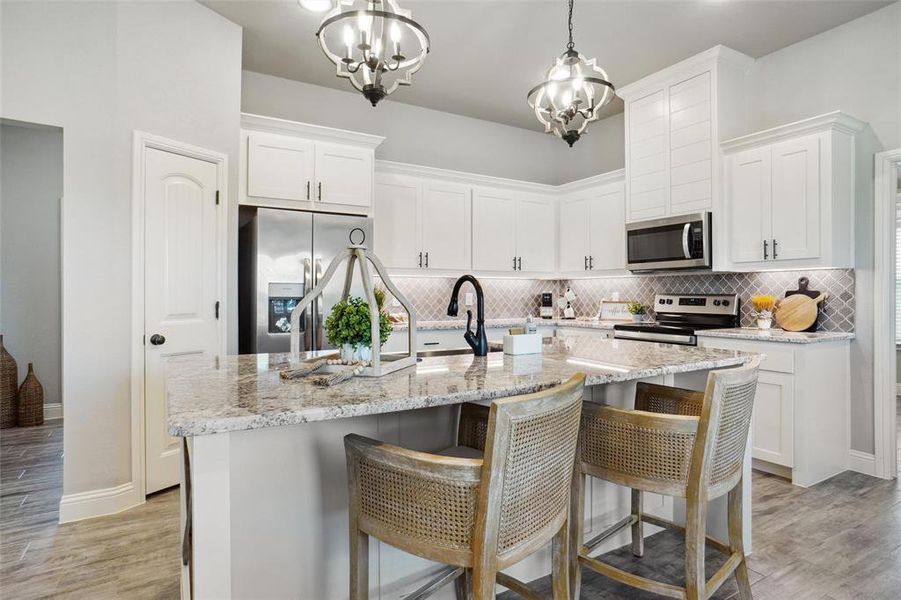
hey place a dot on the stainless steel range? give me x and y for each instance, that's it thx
(678, 317)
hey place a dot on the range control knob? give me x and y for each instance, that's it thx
(661, 301)
(716, 302)
(669, 300)
(725, 303)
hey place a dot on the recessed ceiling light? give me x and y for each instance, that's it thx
(316, 5)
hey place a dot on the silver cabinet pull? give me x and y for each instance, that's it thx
(426, 260)
(765, 246)
(775, 255)
(420, 260)
(591, 263)
(519, 262)
(319, 191)
(308, 190)
(586, 262)
(514, 263)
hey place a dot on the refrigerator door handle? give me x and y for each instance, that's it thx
(308, 317)
(317, 305)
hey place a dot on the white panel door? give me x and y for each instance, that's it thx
(796, 199)
(647, 160)
(396, 221)
(279, 166)
(535, 234)
(608, 228)
(343, 175)
(750, 205)
(575, 241)
(180, 289)
(690, 145)
(446, 219)
(773, 419)
(493, 230)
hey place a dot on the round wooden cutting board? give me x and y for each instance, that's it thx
(797, 313)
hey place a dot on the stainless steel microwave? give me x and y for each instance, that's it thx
(681, 242)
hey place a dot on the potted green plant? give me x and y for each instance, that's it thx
(348, 327)
(637, 310)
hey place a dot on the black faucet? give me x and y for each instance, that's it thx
(477, 341)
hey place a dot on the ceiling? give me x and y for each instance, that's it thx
(485, 55)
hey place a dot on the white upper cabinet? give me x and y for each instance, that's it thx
(421, 223)
(285, 164)
(790, 195)
(279, 166)
(396, 217)
(592, 229)
(674, 121)
(535, 234)
(343, 175)
(493, 230)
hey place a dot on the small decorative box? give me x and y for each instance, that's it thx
(525, 343)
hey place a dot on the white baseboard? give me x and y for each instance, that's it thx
(862, 462)
(97, 503)
(53, 411)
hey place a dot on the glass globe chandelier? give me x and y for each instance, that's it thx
(572, 94)
(373, 43)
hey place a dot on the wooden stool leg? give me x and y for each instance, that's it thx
(359, 565)
(637, 527)
(576, 523)
(695, 538)
(737, 542)
(463, 585)
(560, 563)
(484, 578)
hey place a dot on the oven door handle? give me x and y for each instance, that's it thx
(686, 231)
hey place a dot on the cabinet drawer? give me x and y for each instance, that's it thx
(778, 359)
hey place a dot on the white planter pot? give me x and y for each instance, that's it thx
(356, 353)
(765, 320)
(637, 318)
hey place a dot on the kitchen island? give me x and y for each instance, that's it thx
(265, 486)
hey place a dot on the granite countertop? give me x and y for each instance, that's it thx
(245, 392)
(503, 323)
(776, 335)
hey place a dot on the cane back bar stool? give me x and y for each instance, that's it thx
(678, 443)
(476, 515)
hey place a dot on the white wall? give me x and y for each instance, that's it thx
(414, 135)
(31, 185)
(100, 70)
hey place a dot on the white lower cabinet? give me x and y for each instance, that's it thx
(799, 427)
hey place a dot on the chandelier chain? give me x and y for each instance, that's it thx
(570, 45)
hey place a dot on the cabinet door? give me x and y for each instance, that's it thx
(343, 175)
(396, 221)
(690, 145)
(535, 234)
(796, 199)
(446, 225)
(279, 166)
(608, 228)
(773, 419)
(493, 230)
(749, 203)
(575, 228)
(647, 161)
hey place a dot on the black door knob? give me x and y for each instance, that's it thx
(157, 340)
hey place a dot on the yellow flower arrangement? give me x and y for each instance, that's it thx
(763, 302)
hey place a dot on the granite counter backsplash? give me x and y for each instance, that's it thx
(516, 298)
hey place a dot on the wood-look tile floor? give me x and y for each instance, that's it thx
(838, 540)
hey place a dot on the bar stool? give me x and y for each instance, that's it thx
(477, 515)
(677, 443)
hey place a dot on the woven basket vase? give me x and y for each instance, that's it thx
(31, 400)
(9, 387)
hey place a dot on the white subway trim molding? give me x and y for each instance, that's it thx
(53, 411)
(97, 503)
(862, 462)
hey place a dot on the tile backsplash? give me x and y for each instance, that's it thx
(509, 298)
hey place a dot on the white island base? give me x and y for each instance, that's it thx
(269, 506)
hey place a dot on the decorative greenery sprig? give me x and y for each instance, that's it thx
(763, 302)
(348, 323)
(636, 308)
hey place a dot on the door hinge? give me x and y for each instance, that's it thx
(217, 310)
(217, 197)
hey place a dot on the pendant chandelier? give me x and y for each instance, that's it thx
(373, 43)
(572, 94)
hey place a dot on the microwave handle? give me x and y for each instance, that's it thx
(686, 231)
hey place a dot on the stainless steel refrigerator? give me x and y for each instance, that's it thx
(282, 254)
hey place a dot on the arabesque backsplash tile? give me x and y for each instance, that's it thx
(513, 298)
